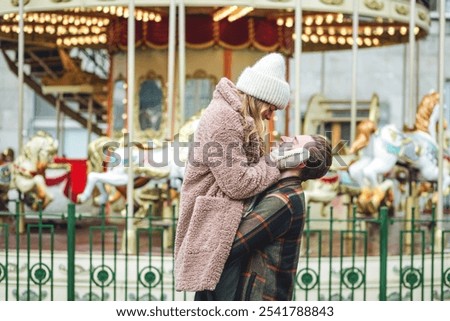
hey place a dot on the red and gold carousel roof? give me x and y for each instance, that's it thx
(266, 25)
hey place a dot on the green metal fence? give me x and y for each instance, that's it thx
(72, 256)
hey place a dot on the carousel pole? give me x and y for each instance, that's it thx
(171, 70)
(130, 247)
(182, 57)
(89, 120)
(441, 82)
(355, 34)
(21, 53)
(297, 55)
(410, 201)
(412, 60)
(58, 122)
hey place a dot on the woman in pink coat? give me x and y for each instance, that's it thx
(227, 165)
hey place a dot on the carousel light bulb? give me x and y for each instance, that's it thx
(152, 16)
(124, 101)
(81, 41)
(368, 31)
(379, 31)
(309, 21)
(88, 40)
(340, 18)
(319, 20)
(158, 18)
(124, 116)
(332, 40)
(125, 13)
(319, 31)
(83, 20)
(341, 40)
(368, 42)
(99, 8)
(343, 31)
(416, 30)
(102, 38)
(376, 41)
(67, 42)
(314, 38)
(105, 9)
(289, 22)
(308, 30)
(403, 30)
(119, 11)
(305, 38)
(324, 40)
(294, 36)
(76, 22)
(350, 41)
(332, 31)
(359, 41)
(329, 19)
(59, 42)
(113, 9)
(280, 22)
(391, 31)
(125, 86)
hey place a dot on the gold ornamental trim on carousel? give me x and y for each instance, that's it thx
(374, 4)
(15, 3)
(333, 2)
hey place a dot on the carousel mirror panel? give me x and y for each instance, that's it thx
(119, 105)
(198, 93)
(151, 107)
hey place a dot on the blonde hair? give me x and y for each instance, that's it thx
(254, 108)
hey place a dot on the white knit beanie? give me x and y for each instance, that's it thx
(266, 80)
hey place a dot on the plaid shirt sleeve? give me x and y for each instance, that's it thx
(270, 219)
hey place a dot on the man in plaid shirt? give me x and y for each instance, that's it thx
(263, 260)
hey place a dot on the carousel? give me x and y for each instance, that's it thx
(137, 75)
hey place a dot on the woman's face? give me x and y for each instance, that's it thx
(268, 113)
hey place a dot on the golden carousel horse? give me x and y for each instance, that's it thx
(28, 170)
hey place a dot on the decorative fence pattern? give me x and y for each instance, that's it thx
(73, 257)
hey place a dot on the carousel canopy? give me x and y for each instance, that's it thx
(266, 25)
(94, 29)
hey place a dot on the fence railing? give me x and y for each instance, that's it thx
(72, 256)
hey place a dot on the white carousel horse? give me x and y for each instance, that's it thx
(164, 162)
(388, 145)
(28, 170)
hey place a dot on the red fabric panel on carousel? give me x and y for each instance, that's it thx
(78, 176)
(234, 33)
(266, 32)
(120, 33)
(157, 33)
(199, 29)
